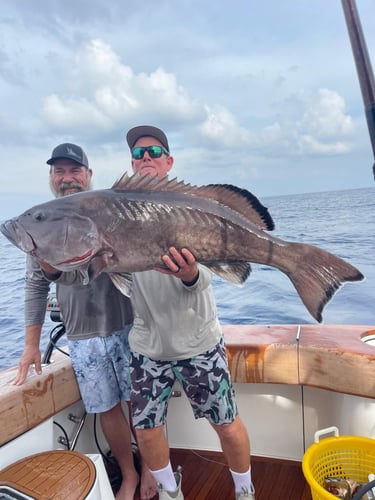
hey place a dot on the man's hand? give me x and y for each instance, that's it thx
(30, 356)
(182, 265)
(50, 271)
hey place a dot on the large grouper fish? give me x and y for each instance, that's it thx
(129, 227)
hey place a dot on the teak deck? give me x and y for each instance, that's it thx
(205, 476)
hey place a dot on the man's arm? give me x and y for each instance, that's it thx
(76, 277)
(49, 272)
(31, 354)
(36, 293)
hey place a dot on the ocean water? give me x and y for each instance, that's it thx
(342, 222)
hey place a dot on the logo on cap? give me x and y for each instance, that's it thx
(71, 152)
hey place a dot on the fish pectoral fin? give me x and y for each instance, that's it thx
(235, 272)
(122, 281)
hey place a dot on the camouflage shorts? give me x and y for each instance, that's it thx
(205, 379)
(101, 366)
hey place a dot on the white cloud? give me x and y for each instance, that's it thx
(73, 113)
(104, 95)
(325, 115)
(244, 94)
(108, 91)
(222, 126)
(272, 133)
(325, 125)
(310, 145)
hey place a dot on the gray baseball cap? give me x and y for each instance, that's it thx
(69, 151)
(146, 131)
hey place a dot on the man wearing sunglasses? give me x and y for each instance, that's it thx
(176, 335)
(151, 155)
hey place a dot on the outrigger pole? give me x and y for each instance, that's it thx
(363, 65)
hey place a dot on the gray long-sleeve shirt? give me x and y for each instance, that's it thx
(96, 309)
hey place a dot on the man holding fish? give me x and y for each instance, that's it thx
(176, 335)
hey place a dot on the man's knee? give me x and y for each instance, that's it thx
(148, 437)
(233, 430)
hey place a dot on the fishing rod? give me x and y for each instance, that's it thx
(363, 65)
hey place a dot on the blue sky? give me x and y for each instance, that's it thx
(263, 95)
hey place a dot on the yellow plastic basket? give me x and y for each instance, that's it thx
(348, 457)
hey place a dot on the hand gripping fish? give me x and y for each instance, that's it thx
(128, 228)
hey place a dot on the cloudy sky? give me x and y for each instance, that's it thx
(261, 94)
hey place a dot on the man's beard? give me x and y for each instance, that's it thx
(67, 186)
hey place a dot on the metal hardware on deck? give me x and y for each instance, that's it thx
(62, 440)
(298, 332)
(74, 418)
(78, 431)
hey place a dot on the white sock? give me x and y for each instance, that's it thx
(165, 478)
(242, 480)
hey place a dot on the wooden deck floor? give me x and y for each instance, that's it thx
(206, 477)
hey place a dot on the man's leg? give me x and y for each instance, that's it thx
(235, 444)
(148, 488)
(155, 451)
(153, 446)
(151, 386)
(109, 352)
(117, 433)
(211, 394)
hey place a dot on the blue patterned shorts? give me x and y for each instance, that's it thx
(101, 366)
(205, 379)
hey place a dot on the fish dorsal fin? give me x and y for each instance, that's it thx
(151, 183)
(242, 201)
(233, 197)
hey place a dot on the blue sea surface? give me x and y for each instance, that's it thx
(342, 222)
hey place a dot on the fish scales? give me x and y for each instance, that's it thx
(168, 225)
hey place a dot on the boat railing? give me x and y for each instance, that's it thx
(332, 357)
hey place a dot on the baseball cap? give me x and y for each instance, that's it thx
(70, 152)
(146, 131)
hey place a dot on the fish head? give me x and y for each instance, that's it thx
(57, 232)
(17, 235)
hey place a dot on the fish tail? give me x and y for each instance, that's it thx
(317, 275)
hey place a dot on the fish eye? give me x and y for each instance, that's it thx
(39, 215)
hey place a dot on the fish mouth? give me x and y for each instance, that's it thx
(79, 259)
(18, 235)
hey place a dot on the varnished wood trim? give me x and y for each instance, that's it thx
(330, 357)
(39, 398)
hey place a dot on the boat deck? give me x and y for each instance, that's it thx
(207, 477)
